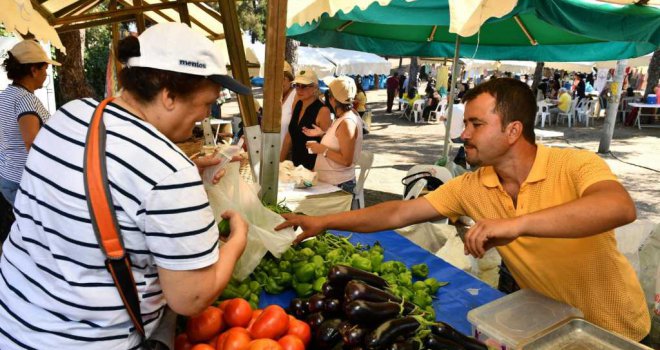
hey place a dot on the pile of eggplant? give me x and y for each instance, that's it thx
(355, 311)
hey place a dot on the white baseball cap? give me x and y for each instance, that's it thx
(343, 89)
(177, 48)
(29, 51)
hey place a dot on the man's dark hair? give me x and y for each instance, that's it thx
(17, 70)
(146, 83)
(514, 101)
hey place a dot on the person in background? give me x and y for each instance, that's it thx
(550, 212)
(579, 86)
(432, 101)
(341, 144)
(411, 96)
(403, 79)
(21, 113)
(307, 111)
(360, 103)
(288, 98)
(392, 86)
(563, 104)
(55, 290)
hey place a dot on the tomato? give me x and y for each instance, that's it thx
(182, 343)
(213, 341)
(202, 346)
(223, 304)
(300, 329)
(238, 313)
(291, 342)
(272, 323)
(205, 325)
(220, 343)
(237, 338)
(264, 344)
(255, 315)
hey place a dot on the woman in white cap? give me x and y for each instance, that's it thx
(55, 290)
(21, 112)
(341, 145)
(307, 111)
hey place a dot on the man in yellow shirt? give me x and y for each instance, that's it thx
(563, 104)
(550, 212)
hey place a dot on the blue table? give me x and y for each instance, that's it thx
(453, 301)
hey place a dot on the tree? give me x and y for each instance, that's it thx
(412, 74)
(538, 74)
(72, 83)
(654, 73)
(97, 49)
(290, 51)
(252, 18)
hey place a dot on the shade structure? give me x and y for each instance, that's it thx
(536, 30)
(355, 62)
(20, 16)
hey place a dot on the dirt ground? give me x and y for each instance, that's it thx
(398, 144)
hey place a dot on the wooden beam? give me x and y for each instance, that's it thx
(432, 36)
(139, 18)
(182, 8)
(211, 33)
(237, 59)
(344, 26)
(42, 11)
(74, 7)
(525, 31)
(210, 11)
(115, 39)
(113, 13)
(94, 23)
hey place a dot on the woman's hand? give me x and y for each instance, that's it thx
(203, 162)
(315, 131)
(238, 228)
(315, 147)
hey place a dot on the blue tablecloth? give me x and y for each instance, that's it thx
(453, 301)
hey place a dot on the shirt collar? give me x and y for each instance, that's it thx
(537, 173)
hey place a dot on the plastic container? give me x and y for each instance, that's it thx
(509, 322)
(652, 99)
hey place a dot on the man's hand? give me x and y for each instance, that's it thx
(487, 234)
(310, 225)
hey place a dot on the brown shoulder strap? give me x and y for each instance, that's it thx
(104, 220)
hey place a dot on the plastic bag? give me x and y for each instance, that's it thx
(232, 192)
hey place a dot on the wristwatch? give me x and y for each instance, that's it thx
(325, 153)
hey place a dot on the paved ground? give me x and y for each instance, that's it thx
(398, 144)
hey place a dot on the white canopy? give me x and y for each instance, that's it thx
(355, 62)
(310, 58)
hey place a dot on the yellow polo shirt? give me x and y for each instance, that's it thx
(564, 102)
(588, 273)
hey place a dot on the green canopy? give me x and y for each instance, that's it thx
(565, 30)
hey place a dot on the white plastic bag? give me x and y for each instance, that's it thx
(232, 192)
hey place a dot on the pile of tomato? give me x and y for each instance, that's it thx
(234, 325)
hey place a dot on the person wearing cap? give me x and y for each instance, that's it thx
(55, 291)
(288, 97)
(21, 113)
(309, 110)
(341, 144)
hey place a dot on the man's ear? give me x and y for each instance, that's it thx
(514, 131)
(167, 99)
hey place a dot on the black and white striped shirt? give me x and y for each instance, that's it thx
(55, 292)
(16, 102)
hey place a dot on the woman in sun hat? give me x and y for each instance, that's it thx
(308, 110)
(341, 145)
(21, 112)
(56, 292)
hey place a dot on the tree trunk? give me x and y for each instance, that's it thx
(290, 51)
(72, 82)
(538, 75)
(414, 69)
(654, 74)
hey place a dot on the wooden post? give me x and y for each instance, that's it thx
(184, 16)
(115, 36)
(453, 91)
(612, 107)
(270, 124)
(139, 18)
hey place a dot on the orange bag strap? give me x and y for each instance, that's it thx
(104, 220)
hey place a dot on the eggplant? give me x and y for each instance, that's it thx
(332, 306)
(331, 291)
(316, 303)
(340, 275)
(446, 331)
(314, 320)
(390, 330)
(371, 312)
(434, 342)
(352, 334)
(327, 334)
(299, 308)
(408, 344)
(356, 290)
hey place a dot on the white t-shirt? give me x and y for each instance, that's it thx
(328, 170)
(55, 292)
(287, 110)
(16, 102)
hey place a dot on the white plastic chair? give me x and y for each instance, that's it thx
(585, 110)
(440, 110)
(417, 109)
(364, 163)
(404, 108)
(542, 111)
(569, 114)
(441, 173)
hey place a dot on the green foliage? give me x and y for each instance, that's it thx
(252, 17)
(97, 48)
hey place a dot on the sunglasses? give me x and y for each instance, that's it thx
(301, 86)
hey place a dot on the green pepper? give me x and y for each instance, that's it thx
(261, 277)
(334, 255)
(306, 253)
(284, 266)
(230, 292)
(434, 285)
(321, 272)
(303, 290)
(272, 287)
(244, 290)
(322, 248)
(273, 271)
(298, 264)
(309, 243)
(405, 279)
(223, 228)
(254, 301)
(255, 287)
(420, 270)
(318, 261)
(376, 261)
(283, 279)
(289, 254)
(318, 284)
(361, 263)
(390, 278)
(377, 248)
(419, 285)
(405, 293)
(422, 299)
(305, 273)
